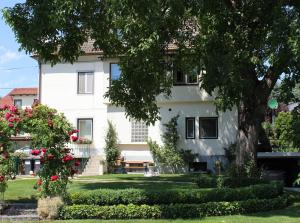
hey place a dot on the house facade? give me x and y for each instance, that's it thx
(78, 89)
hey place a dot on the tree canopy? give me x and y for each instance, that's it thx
(245, 47)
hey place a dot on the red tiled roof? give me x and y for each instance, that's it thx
(24, 91)
(7, 100)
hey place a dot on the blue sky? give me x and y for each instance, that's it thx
(16, 68)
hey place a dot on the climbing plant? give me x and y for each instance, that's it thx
(49, 132)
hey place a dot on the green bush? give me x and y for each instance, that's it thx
(195, 196)
(231, 182)
(132, 211)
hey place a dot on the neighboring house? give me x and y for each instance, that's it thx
(77, 90)
(20, 97)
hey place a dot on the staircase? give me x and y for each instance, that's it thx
(94, 166)
(20, 212)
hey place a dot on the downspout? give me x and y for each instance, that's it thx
(40, 82)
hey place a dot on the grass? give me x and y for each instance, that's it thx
(22, 191)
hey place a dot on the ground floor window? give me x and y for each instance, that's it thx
(208, 128)
(139, 131)
(85, 128)
(190, 128)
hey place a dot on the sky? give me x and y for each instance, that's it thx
(17, 69)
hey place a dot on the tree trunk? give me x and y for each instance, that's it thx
(249, 125)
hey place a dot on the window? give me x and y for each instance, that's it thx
(190, 128)
(181, 77)
(139, 131)
(208, 128)
(115, 72)
(85, 128)
(85, 83)
(18, 103)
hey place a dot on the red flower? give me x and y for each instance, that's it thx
(43, 149)
(74, 138)
(39, 182)
(50, 123)
(73, 131)
(29, 115)
(8, 115)
(2, 178)
(50, 156)
(35, 152)
(13, 109)
(68, 158)
(54, 178)
(77, 163)
(42, 159)
(10, 125)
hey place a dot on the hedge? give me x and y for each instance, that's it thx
(190, 196)
(231, 182)
(132, 211)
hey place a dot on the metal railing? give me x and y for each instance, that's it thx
(80, 150)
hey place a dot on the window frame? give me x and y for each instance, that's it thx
(85, 73)
(186, 127)
(92, 133)
(15, 100)
(185, 77)
(217, 127)
(110, 74)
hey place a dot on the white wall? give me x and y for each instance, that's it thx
(27, 100)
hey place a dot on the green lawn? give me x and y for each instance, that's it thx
(22, 191)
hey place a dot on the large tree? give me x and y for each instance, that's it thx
(245, 47)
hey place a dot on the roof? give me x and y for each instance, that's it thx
(7, 100)
(24, 91)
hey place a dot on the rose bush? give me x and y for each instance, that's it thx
(50, 132)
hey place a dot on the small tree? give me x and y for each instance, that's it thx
(111, 148)
(170, 154)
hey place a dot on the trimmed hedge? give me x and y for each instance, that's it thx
(231, 182)
(193, 196)
(132, 211)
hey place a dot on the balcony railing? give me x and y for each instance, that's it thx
(80, 150)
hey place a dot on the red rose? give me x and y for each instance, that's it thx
(54, 178)
(43, 149)
(10, 125)
(8, 115)
(42, 159)
(2, 178)
(77, 163)
(13, 109)
(68, 158)
(35, 152)
(39, 182)
(74, 138)
(29, 115)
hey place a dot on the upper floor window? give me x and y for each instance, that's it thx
(85, 128)
(139, 131)
(208, 128)
(115, 71)
(85, 83)
(190, 128)
(181, 77)
(18, 103)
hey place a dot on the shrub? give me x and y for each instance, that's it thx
(48, 208)
(231, 182)
(132, 211)
(138, 196)
(112, 152)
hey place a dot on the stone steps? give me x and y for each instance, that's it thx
(93, 167)
(20, 212)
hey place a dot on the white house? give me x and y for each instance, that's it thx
(77, 90)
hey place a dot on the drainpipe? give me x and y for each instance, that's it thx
(40, 82)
